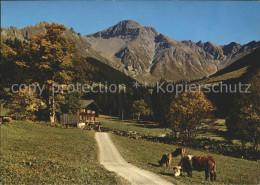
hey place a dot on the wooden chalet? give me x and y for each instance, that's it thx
(86, 116)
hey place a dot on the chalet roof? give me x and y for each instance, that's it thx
(85, 103)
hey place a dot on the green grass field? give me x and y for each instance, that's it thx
(220, 126)
(36, 154)
(152, 128)
(148, 128)
(145, 154)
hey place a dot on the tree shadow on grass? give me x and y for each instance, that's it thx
(168, 174)
(148, 126)
(154, 165)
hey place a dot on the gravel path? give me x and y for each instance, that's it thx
(111, 159)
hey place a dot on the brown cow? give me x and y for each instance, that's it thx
(178, 151)
(166, 159)
(198, 163)
(7, 120)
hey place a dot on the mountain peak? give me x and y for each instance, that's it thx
(128, 24)
(188, 42)
(200, 43)
(43, 23)
(126, 28)
(210, 44)
(231, 48)
(233, 43)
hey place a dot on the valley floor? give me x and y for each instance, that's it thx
(39, 154)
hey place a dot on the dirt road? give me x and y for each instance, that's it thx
(111, 159)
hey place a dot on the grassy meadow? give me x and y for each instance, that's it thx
(143, 127)
(37, 154)
(152, 128)
(145, 154)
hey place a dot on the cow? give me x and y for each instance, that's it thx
(197, 163)
(178, 151)
(166, 159)
(7, 120)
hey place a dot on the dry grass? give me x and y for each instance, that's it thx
(226, 76)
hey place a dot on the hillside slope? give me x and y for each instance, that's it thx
(243, 71)
(64, 156)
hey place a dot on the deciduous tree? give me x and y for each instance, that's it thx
(140, 108)
(24, 103)
(50, 59)
(188, 111)
(243, 122)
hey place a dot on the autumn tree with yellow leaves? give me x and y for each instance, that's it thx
(140, 108)
(10, 72)
(248, 125)
(243, 122)
(24, 103)
(48, 59)
(8, 66)
(187, 112)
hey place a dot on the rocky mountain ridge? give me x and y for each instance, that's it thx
(25, 34)
(142, 52)
(145, 54)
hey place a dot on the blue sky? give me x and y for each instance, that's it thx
(218, 22)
